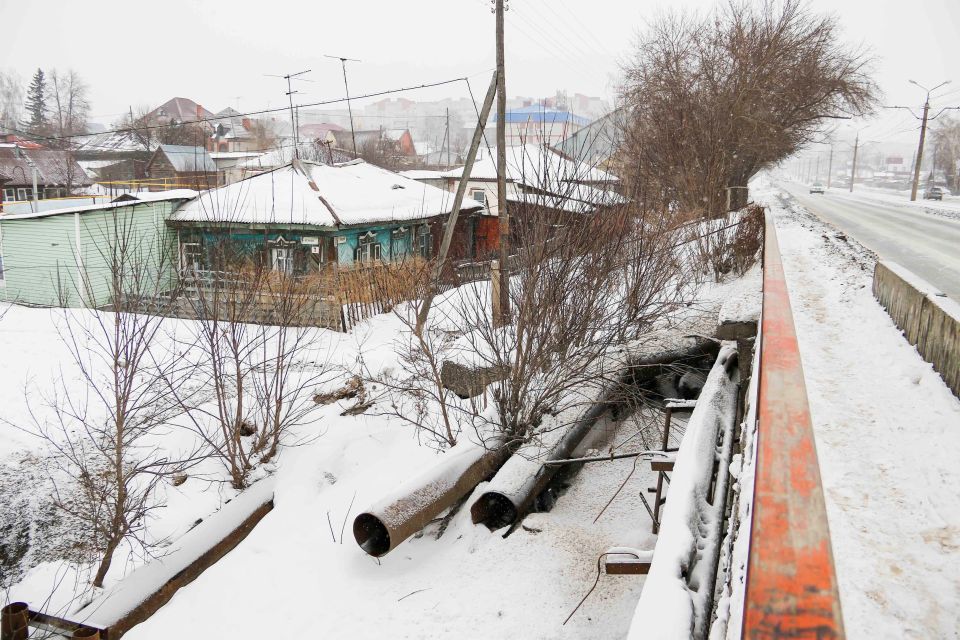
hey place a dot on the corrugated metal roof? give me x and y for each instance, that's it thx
(539, 113)
(188, 159)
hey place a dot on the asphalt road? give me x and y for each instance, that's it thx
(926, 244)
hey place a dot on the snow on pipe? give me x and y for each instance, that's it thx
(387, 523)
(677, 597)
(513, 490)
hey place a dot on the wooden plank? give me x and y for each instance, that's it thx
(791, 589)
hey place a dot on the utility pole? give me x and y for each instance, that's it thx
(830, 165)
(449, 137)
(293, 120)
(451, 224)
(346, 87)
(503, 316)
(853, 169)
(923, 134)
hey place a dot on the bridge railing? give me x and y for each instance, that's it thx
(791, 589)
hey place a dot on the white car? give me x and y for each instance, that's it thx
(817, 188)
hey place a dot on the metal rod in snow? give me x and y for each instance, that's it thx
(618, 456)
(457, 202)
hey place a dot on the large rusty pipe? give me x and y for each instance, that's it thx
(13, 621)
(384, 525)
(512, 491)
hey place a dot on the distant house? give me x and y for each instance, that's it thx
(538, 124)
(61, 257)
(57, 173)
(181, 167)
(538, 175)
(596, 144)
(389, 142)
(305, 216)
(116, 159)
(324, 132)
(233, 133)
(177, 111)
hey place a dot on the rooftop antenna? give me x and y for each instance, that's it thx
(343, 64)
(293, 121)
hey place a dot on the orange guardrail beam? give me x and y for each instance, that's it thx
(791, 589)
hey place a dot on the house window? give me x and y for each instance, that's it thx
(282, 259)
(191, 256)
(9, 195)
(424, 242)
(480, 196)
(399, 243)
(24, 194)
(368, 249)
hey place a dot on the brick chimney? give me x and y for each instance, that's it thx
(246, 123)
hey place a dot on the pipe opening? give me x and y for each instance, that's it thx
(87, 633)
(371, 534)
(494, 510)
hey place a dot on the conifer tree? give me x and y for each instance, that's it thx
(36, 105)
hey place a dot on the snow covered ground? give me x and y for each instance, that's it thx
(888, 437)
(300, 572)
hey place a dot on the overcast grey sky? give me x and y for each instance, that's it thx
(217, 52)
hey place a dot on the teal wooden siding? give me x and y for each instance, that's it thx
(45, 256)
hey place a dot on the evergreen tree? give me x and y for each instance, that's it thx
(36, 105)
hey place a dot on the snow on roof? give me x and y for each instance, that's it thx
(538, 167)
(222, 155)
(422, 174)
(154, 196)
(185, 158)
(175, 194)
(322, 195)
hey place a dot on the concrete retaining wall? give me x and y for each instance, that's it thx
(929, 319)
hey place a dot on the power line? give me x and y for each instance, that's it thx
(248, 113)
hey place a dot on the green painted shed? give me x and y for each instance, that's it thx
(63, 257)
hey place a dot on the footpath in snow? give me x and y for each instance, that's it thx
(888, 439)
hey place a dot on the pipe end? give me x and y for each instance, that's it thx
(371, 534)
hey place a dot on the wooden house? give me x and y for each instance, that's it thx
(55, 173)
(304, 216)
(181, 167)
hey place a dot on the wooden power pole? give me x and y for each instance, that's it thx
(451, 224)
(502, 310)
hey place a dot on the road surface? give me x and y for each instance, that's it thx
(926, 244)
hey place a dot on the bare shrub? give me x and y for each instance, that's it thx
(106, 428)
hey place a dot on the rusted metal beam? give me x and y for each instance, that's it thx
(791, 589)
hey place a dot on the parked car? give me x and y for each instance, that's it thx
(817, 188)
(933, 193)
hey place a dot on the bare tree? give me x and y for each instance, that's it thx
(713, 99)
(11, 99)
(946, 148)
(265, 133)
(107, 432)
(253, 340)
(69, 102)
